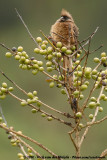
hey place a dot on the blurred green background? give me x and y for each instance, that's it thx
(41, 14)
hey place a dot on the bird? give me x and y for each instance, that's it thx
(65, 30)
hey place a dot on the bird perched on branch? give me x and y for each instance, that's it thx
(65, 30)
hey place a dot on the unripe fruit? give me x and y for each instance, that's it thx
(20, 49)
(59, 85)
(77, 62)
(61, 77)
(68, 52)
(50, 57)
(35, 93)
(45, 42)
(37, 50)
(39, 39)
(17, 57)
(103, 59)
(93, 99)
(34, 110)
(92, 105)
(43, 46)
(49, 118)
(80, 51)
(38, 104)
(81, 96)
(30, 95)
(73, 48)
(100, 109)
(91, 116)
(34, 72)
(1, 119)
(96, 60)
(63, 49)
(49, 64)
(102, 96)
(35, 66)
(103, 54)
(86, 83)
(59, 55)
(8, 54)
(51, 85)
(4, 85)
(3, 89)
(41, 69)
(49, 69)
(10, 89)
(19, 155)
(94, 72)
(59, 44)
(23, 103)
(81, 125)
(3, 96)
(79, 73)
(43, 115)
(83, 87)
(49, 49)
(63, 91)
(76, 93)
(79, 114)
(40, 63)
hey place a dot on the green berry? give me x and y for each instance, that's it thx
(34, 72)
(91, 116)
(59, 55)
(37, 50)
(3, 89)
(94, 72)
(63, 91)
(43, 115)
(50, 57)
(96, 60)
(17, 57)
(61, 77)
(49, 69)
(79, 73)
(34, 110)
(103, 54)
(8, 54)
(86, 83)
(45, 42)
(73, 48)
(4, 85)
(40, 63)
(20, 155)
(20, 49)
(35, 66)
(77, 62)
(29, 101)
(80, 51)
(41, 69)
(49, 50)
(103, 59)
(49, 64)
(93, 99)
(68, 52)
(92, 105)
(100, 109)
(30, 95)
(35, 93)
(102, 96)
(1, 119)
(43, 46)
(81, 96)
(38, 103)
(76, 93)
(51, 85)
(3, 96)
(49, 118)
(23, 103)
(79, 114)
(39, 39)
(83, 87)
(81, 125)
(59, 44)
(10, 89)
(63, 49)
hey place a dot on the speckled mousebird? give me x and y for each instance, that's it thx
(65, 30)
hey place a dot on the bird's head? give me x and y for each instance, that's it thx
(65, 16)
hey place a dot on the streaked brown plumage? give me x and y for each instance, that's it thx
(65, 30)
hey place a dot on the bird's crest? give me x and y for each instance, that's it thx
(66, 13)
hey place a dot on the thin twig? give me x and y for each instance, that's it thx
(73, 141)
(30, 139)
(103, 155)
(20, 17)
(93, 120)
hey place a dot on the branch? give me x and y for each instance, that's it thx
(93, 120)
(31, 140)
(103, 154)
(20, 17)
